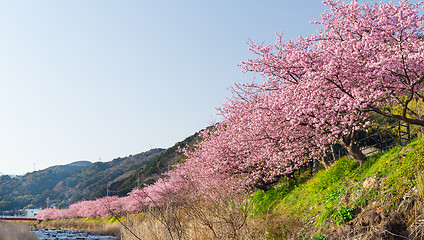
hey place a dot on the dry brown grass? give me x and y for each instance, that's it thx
(193, 219)
(147, 227)
(416, 216)
(221, 214)
(14, 231)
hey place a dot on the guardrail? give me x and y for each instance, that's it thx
(18, 219)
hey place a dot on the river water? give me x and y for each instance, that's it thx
(57, 234)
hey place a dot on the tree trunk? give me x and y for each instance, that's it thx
(324, 162)
(353, 147)
(315, 166)
(422, 128)
(265, 186)
(356, 153)
(333, 153)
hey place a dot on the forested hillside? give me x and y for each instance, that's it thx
(99, 176)
(153, 170)
(85, 180)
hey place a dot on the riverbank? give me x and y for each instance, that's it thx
(59, 234)
(96, 226)
(21, 231)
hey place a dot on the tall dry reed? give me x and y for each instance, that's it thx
(194, 219)
(148, 227)
(15, 231)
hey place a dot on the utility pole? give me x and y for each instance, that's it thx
(138, 179)
(67, 193)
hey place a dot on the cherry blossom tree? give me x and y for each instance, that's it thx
(316, 91)
(374, 54)
(365, 58)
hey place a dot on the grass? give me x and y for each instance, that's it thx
(316, 201)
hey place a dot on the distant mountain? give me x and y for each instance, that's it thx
(86, 180)
(99, 176)
(71, 167)
(11, 175)
(79, 180)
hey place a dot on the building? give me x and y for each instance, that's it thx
(31, 213)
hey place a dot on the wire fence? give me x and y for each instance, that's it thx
(380, 140)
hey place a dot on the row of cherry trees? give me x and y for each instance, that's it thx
(316, 91)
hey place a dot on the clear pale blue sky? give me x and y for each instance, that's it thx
(90, 79)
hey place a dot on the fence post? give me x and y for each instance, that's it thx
(381, 140)
(404, 133)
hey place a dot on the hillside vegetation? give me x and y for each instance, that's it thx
(383, 199)
(153, 170)
(92, 182)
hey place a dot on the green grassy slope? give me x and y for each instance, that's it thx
(383, 199)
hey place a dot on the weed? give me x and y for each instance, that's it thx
(420, 184)
(333, 195)
(333, 175)
(326, 214)
(345, 214)
(264, 202)
(319, 237)
(365, 197)
(111, 219)
(93, 219)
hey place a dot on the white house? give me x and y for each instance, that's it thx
(31, 213)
